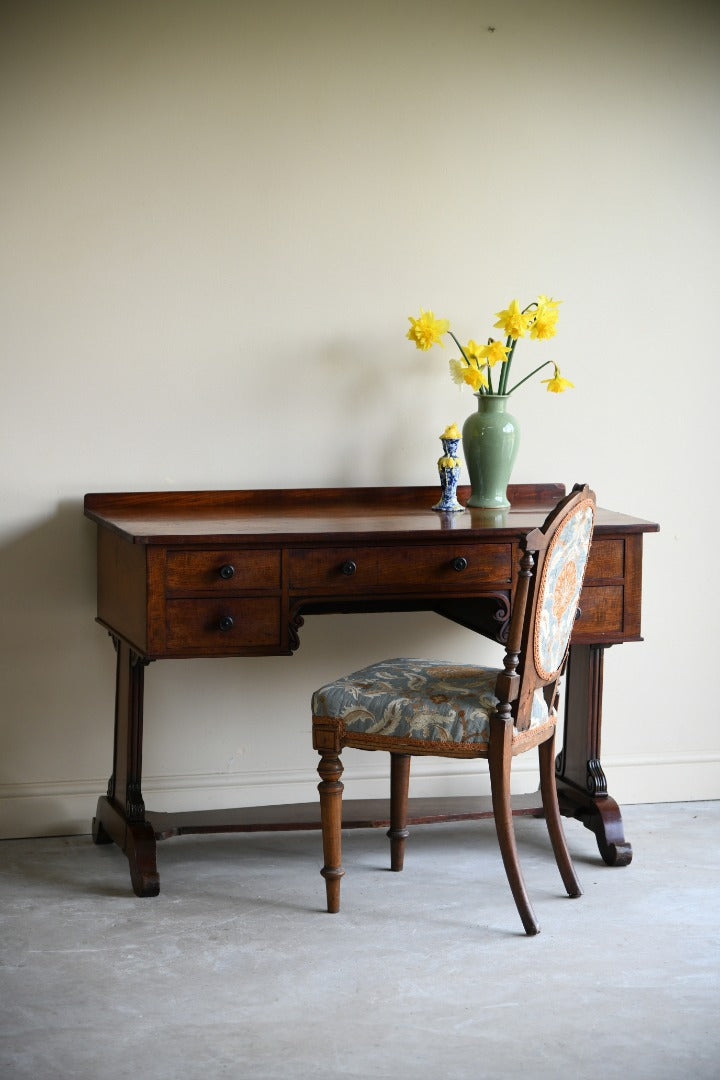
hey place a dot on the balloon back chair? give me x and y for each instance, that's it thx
(429, 707)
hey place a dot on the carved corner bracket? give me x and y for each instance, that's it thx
(294, 627)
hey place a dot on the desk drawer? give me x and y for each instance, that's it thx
(601, 612)
(406, 568)
(607, 559)
(217, 626)
(221, 572)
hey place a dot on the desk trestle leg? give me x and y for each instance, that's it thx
(581, 783)
(121, 814)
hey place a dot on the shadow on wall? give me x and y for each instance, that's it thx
(58, 676)
(53, 660)
(55, 560)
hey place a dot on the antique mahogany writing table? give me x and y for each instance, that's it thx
(232, 573)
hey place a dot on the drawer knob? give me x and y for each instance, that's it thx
(227, 571)
(348, 567)
(460, 563)
(226, 623)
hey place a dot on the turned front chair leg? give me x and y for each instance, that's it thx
(398, 831)
(331, 789)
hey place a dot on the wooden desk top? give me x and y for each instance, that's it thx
(298, 514)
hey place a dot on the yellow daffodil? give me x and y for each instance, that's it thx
(473, 368)
(426, 330)
(447, 462)
(544, 326)
(457, 372)
(546, 316)
(472, 350)
(452, 431)
(556, 385)
(547, 301)
(512, 321)
(462, 374)
(475, 378)
(494, 352)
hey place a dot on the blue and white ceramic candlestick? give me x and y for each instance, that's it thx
(449, 469)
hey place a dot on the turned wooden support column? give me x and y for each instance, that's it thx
(331, 789)
(398, 831)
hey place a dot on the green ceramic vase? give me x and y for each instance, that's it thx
(490, 437)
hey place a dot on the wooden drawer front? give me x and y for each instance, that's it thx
(458, 564)
(356, 569)
(601, 612)
(221, 572)
(197, 624)
(331, 568)
(607, 559)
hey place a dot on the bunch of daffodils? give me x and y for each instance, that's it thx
(538, 320)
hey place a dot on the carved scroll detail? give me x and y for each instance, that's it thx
(596, 781)
(295, 625)
(135, 804)
(501, 615)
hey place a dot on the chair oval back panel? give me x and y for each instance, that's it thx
(559, 588)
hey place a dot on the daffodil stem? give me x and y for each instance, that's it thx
(530, 375)
(464, 356)
(506, 366)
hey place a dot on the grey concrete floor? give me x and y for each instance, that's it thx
(236, 970)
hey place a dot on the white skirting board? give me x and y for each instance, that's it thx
(67, 808)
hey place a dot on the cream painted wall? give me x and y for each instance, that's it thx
(216, 218)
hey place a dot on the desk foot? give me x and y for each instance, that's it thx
(140, 851)
(136, 839)
(99, 835)
(601, 816)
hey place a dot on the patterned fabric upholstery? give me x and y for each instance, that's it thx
(560, 589)
(424, 700)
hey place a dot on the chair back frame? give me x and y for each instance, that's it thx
(523, 671)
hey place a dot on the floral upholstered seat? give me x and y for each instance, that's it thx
(423, 701)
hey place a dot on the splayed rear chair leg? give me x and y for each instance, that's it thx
(548, 790)
(500, 759)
